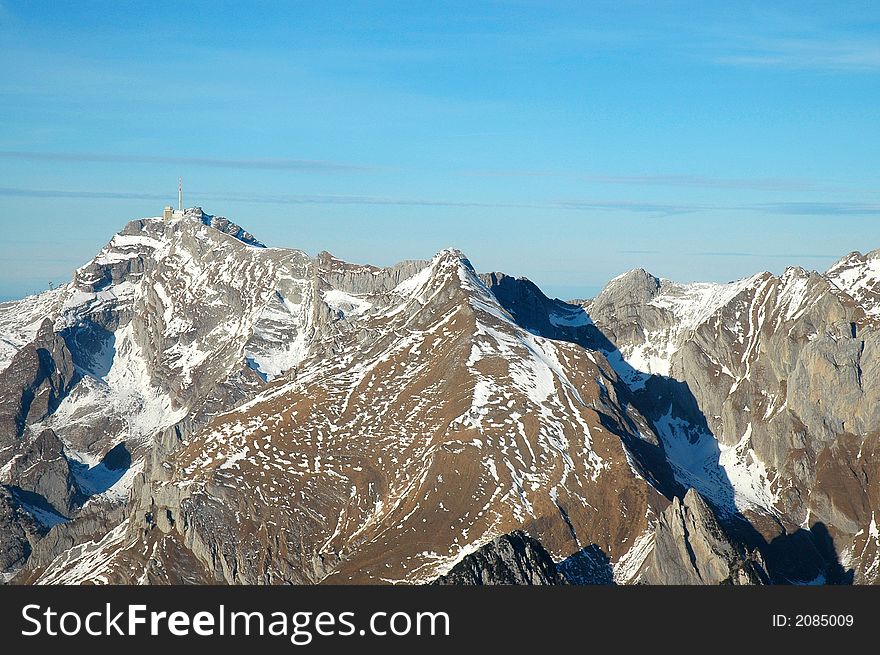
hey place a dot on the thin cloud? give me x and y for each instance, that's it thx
(808, 54)
(701, 181)
(819, 208)
(662, 209)
(304, 165)
(764, 255)
(351, 200)
(55, 193)
(654, 209)
(574, 205)
(255, 198)
(674, 180)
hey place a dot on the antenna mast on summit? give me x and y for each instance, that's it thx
(180, 194)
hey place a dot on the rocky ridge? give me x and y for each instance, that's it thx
(196, 407)
(514, 559)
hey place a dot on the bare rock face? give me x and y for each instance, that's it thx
(534, 311)
(384, 443)
(33, 384)
(15, 534)
(624, 308)
(92, 523)
(37, 481)
(691, 548)
(776, 403)
(224, 225)
(297, 419)
(513, 559)
(43, 469)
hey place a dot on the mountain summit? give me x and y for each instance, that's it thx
(194, 407)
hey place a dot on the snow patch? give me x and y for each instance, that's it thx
(345, 303)
(627, 567)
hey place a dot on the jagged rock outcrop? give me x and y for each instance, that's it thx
(17, 531)
(534, 311)
(691, 548)
(764, 393)
(360, 279)
(512, 559)
(42, 468)
(366, 453)
(211, 410)
(93, 523)
(224, 225)
(33, 385)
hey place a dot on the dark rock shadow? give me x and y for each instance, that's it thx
(38, 507)
(101, 477)
(589, 566)
(681, 453)
(92, 347)
(807, 557)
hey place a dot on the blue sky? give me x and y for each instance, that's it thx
(566, 142)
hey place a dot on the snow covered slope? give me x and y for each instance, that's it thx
(754, 387)
(859, 276)
(210, 409)
(167, 316)
(437, 424)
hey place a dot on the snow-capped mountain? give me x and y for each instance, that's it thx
(195, 407)
(764, 395)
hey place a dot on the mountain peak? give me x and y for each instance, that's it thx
(637, 284)
(427, 410)
(452, 255)
(854, 258)
(224, 225)
(859, 276)
(219, 223)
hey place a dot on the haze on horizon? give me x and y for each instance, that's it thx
(567, 142)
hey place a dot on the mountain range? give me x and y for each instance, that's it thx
(196, 407)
